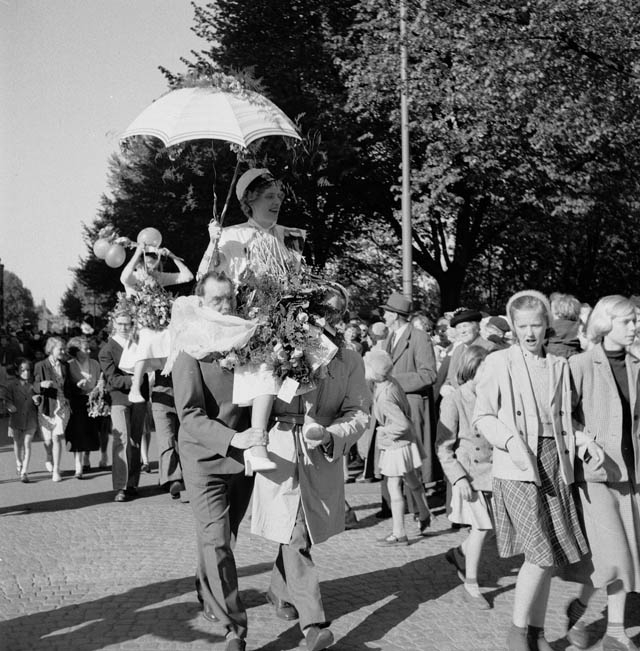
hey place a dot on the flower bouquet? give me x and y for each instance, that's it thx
(151, 305)
(99, 401)
(290, 313)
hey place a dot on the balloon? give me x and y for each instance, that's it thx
(101, 247)
(115, 256)
(150, 237)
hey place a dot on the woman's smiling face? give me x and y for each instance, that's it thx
(530, 327)
(265, 207)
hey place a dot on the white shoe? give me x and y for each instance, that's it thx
(254, 463)
(56, 476)
(49, 466)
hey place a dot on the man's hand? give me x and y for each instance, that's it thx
(46, 384)
(248, 438)
(214, 230)
(463, 487)
(315, 435)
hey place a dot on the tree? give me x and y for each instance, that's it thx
(80, 304)
(18, 302)
(524, 123)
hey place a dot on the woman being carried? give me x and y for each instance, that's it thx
(261, 256)
(144, 274)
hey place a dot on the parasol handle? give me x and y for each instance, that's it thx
(231, 186)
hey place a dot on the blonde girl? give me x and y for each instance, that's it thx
(400, 450)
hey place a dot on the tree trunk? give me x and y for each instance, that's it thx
(450, 283)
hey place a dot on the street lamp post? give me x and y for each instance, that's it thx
(407, 255)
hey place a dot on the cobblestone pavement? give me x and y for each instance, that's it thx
(78, 571)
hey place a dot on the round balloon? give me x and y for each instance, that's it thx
(116, 255)
(150, 237)
(100, 248)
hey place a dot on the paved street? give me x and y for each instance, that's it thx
(78, 571)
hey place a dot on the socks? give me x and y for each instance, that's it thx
(616, 630)
(575, 612)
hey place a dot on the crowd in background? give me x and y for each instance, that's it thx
(439, 387)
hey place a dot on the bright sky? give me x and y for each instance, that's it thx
(73, 75)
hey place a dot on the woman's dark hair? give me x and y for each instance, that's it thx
(470, 362)
(75, 344)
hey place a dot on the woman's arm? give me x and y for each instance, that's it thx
(485, 414)
(127, 277)
(184, 275)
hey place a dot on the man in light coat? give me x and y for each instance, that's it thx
(302, 503)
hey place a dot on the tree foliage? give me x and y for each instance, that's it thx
(524, 143)
(524, 123)
(18, 302)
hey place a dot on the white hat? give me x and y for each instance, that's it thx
(247, 179)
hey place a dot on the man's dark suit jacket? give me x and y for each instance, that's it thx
(208, 419)
(118, 382)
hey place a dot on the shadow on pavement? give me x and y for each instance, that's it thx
(116, 619)
(72, 502)
(410, 586)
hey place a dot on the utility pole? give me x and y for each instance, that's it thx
(1, 295)
(407, 256)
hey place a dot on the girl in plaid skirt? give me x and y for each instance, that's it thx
(523, 408)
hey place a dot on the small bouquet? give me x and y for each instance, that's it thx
(99, 400)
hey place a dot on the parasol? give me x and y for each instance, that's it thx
(216, 108)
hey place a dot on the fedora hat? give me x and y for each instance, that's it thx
(398, 303)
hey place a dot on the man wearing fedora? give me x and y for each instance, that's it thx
(467, 325)
(414, 367)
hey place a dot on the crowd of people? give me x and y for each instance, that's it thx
(530, 418)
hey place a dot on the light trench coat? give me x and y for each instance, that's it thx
(312, 478)
(506, 407)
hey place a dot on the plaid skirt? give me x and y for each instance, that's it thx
(540, 522)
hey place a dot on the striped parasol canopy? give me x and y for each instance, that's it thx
(208, 112)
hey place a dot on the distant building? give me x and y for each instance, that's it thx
(47, 320)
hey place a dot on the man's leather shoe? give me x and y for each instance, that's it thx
(235, 644)
(284, 610)
(121, 496)
(318, 638)
(176, 488)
